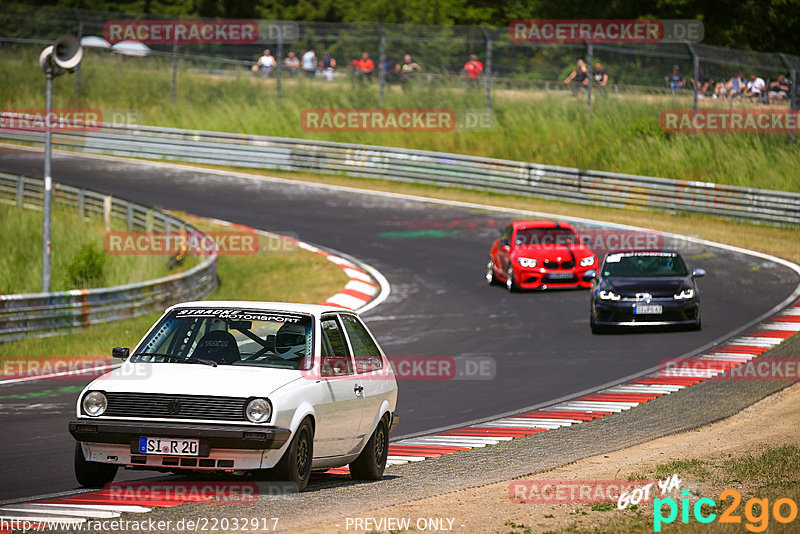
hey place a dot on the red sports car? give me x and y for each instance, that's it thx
(538, 255)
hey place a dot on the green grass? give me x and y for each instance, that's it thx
(21, 255)
(622, 134)
(287, 275)
(769, 472)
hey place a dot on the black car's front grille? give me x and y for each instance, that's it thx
(568, 264)
(162, 406)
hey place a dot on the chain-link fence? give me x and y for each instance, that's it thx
(441, 53)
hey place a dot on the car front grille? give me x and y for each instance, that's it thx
(569, 264)
(162, 406)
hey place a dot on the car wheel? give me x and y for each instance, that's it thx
(490, 277)
(698, 325)
(92, 474)
(295, 466)
(596, 328)
(511, 284)
(372, 461)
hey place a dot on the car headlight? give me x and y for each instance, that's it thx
(527, 262)
(94, 403)
(685, 294)
(258, 411)
(587, 261)
(608, 295)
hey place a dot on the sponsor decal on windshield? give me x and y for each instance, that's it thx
(236, 314)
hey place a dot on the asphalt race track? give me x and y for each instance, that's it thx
(434, 257)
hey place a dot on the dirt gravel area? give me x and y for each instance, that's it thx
(772, 421)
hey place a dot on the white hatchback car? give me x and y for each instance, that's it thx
(241, 386)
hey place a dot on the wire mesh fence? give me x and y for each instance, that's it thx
(440, 55)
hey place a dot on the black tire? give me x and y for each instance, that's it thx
(698, 325)
(511, 284)
(596, 328)
(372, 461)
(92, 474)
(491, 279)
(295, 466)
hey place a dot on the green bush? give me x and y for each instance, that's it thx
(87, 267)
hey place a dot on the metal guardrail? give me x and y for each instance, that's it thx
(45, 314)
(442, 169)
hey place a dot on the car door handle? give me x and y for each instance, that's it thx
(358, 389)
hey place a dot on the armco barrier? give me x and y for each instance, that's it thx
(43, 314)
(515, 177)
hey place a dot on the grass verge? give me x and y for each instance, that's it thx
(761, 477)
(285, 273)
(77, 258)
(622, 133)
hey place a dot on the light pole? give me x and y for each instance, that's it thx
(63, 56)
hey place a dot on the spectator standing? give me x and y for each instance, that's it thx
(579, 77)
(326, 66)
(407, 70)
(600, 75)
(755, 87)
(292, 64)
(310, 63)
(675, 79)
(474, 69)
(780, 89)
(266, 63)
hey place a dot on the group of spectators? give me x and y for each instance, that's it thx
(754, 88)
(307, 63)
(580, 76)
(362, 69)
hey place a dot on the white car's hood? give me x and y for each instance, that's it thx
(195, 379)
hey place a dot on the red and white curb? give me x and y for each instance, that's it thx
(366, 288)
(619, 398)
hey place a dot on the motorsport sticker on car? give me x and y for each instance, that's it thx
(241, 315)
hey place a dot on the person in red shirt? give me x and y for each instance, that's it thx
(364, 67)
(474, 69)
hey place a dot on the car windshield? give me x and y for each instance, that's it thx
(230, 336)
(644, 264)
(546, 236)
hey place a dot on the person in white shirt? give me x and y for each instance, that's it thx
(310, 63)
(755, 87)
(266, 63)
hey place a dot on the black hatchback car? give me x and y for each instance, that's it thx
(644, 288)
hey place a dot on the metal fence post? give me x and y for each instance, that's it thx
(488, 69)
(129, 216)
(174, 67)
(279, 65)
(81, 202)
(793, 96)
(20, 191)
(381, 68)
(589, 66)
(695, 73)
(78, 70)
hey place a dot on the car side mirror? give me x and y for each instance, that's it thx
(120, 352)
(698, 273)
(590, 275)
(504, 242)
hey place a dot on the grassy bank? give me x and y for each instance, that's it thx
(622, 134)
(78, 259)
(274, 273)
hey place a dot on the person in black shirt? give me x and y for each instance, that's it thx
(579, 76)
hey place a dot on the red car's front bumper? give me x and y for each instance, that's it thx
(534, 278)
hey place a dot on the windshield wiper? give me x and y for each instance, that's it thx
(178, 358)
(212, 363)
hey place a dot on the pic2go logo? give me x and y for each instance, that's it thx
(756, 511)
